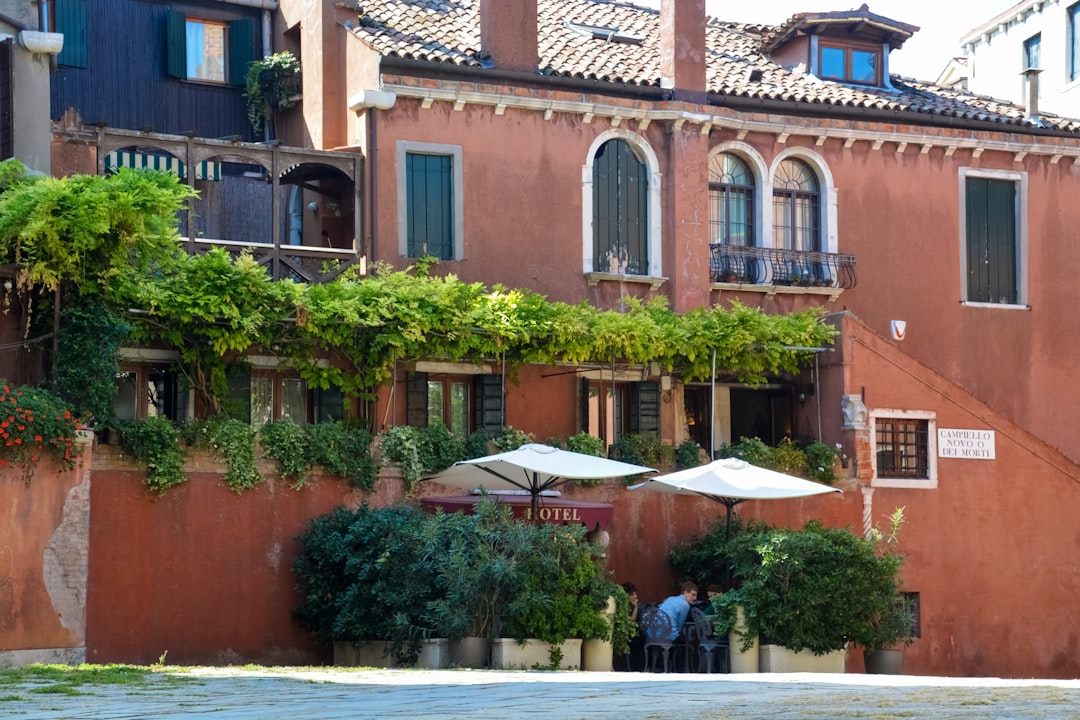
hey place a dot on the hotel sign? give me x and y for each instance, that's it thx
(966, 444)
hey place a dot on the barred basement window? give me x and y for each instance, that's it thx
(902, 448)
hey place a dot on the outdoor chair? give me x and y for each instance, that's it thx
(656, 627)
(709, 646)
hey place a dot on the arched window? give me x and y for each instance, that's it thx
(796, 207)
(731, 201)
(620, 210)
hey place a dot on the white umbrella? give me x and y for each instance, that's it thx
(533, 468)
(731, 481)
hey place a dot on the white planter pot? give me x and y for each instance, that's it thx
(742, 662)
(434, 654)
(509, 654)
(469, 652)
(597, 656)
(778, 659)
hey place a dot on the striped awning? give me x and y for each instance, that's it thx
(206, 170)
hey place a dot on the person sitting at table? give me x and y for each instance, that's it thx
(635, 656)
(677, 607)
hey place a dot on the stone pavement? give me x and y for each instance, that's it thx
(331, 693)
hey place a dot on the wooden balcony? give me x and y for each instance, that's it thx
(780, 267)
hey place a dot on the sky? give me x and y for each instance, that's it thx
(924, 56)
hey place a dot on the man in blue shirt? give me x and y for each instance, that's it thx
(677, 607)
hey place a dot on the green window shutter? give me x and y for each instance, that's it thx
(990, 208)
(176, 44)
(242, 49)
(489, 404)
(583, 404)
(430, 205)
(7, 98)
(71, 21)
(416, 399)
(645, 407)
(620, 210)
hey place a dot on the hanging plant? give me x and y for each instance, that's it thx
(271, 84)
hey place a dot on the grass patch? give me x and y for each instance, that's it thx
(73, 676)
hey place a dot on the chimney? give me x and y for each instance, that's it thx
(1032, 76)
(508, 34)
(682, 48)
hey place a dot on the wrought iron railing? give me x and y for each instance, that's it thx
(777, 266)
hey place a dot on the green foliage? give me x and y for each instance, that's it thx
(88, 359)
(687, 454)
(156, 442)
(271, 84)
(814, 589)
(400, 575)
(234, 442)
(821, 462)
(401, 445)
(478, 444)
(367, 574)
(12, 172)
(752, 450)
(705, 559)
(586, 444)
(288, 443)
(344, 451)
(623, 628)
(787, 457)
(643, 449)
(511, 439)
(85, 231)
(35, 423)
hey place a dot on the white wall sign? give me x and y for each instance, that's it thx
(966, 444)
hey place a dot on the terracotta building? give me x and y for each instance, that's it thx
(593, 150)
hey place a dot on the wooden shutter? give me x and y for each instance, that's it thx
(990, 207)
(645, 407)
(620, 210)
(7, 105)
(430, 206)
(71, 21)
(242, 49)
(489, 404)
(176, 44)
(416, 397)
(583, 405)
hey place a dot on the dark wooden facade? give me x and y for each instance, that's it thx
(121, 79)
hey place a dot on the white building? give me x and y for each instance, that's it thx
(1039, 34)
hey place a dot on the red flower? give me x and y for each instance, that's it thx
(38, 438)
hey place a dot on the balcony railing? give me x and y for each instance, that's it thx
(777, 266)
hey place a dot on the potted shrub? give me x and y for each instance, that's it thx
(811, 591)
(883, 637)
(272, 84)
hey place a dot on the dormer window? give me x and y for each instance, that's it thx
(847, 63)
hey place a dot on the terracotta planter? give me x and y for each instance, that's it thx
(884, 662)
(777, 659)
(510, 654)
(469, 652)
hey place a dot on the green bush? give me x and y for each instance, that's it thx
(586, 444)
(787, 457)
(687, 454)
(87, 360)
(344, 451)
(233, 441)
(815, 589)
(511, 439)
(364, 575)
(752, 450)
(821, 462)
(288, 444)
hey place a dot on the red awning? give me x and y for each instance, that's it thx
(552, 509)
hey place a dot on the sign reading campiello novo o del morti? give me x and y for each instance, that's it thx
(966, 444)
